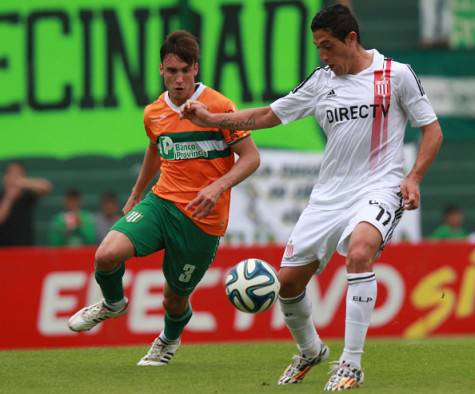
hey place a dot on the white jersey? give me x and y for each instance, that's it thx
(364, 117)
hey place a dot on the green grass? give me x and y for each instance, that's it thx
(391, 366)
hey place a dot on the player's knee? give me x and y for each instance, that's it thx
(359, 259)
(294, 280)
(106, 259)
(289, 289)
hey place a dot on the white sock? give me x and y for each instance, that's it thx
(164, 338)
(360, 300)
(297, 313)
(116, 306)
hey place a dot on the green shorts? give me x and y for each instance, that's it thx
(156, 224)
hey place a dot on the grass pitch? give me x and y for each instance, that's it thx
(391, 366)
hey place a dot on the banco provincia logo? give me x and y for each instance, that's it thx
(167, 149)
(133, 217)
(171, 150)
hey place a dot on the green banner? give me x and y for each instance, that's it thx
(463, 24)
(75, 75)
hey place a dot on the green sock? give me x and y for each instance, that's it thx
(174, 325)
(111, 283)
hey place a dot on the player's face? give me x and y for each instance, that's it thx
(179, 78)
(334, 52)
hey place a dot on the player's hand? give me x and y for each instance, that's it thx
(131, 202)
(410, 193)
(195, 111)
(205, 200)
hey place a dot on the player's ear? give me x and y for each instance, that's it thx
(196, 68)
(161, 69)
(351, 38)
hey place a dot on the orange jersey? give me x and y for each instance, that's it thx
(192, 157)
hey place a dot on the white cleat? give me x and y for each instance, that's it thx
(159, 353)
(301, 365)
(92, 315)
(344, 376)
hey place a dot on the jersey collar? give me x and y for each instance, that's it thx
(377, 63)
(199, 87)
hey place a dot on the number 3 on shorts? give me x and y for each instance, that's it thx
(187, 271)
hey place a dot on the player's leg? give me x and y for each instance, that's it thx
(109, 265)
(109, 260)
(364, 244)
(365, 235)
(188, 254)
(177, 315)
(361, 294)
(310, 247)
(297, 311)
(297, 308)
(137, 233)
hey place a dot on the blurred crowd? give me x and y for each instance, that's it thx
(452, 225)
(74, 226)
(435, 21)
(71, 226)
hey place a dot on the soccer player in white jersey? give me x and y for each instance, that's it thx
(362, 101)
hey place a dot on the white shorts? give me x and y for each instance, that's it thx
(319, 233)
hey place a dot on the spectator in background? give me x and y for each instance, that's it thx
(109, 213)
(73, 227)
(17, 204)
(452, 227)
(435, 23)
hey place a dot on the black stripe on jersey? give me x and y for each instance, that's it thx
(421, 89)
(306, 79)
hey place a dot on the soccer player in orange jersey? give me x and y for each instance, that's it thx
(187, 210)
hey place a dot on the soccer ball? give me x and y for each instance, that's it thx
(252, 286)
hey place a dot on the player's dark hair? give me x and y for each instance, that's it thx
(338, 20)
(183, 44)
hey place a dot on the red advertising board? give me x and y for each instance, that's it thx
(423, 290)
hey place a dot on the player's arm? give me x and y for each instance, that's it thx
(247, 119)
(150, 167)
(247, 163)
(429, 147)
(299, 103)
